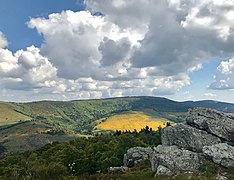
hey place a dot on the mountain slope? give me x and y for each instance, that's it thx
(9, 115)
(32, 134)
(80, 115)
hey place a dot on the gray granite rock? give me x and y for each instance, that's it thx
(135, 155)
(222, 154)
(175, 159)
(117, 169)
(213, 121)
(162, 170)
(187, 137)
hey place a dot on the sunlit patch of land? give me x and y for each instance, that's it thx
(8, 115)
(130, 121)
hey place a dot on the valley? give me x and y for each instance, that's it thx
(25, 126)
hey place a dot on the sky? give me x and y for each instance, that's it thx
(65, 50)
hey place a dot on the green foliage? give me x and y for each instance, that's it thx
(89, 158)
(77, 157)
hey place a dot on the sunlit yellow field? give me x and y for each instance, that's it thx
(130, 121)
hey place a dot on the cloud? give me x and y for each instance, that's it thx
(73, 41)
(83, 46)
(190, 30)
(25, 70)
(224, 78)
(129, 14)
(209, 95)
(3, 41)
(8, 63)
(113, 52)
(190, 34)
(186, 37)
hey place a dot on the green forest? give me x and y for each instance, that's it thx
(84, 156)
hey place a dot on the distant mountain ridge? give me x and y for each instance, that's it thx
(221, 106)
(168, 105)
(82, 113)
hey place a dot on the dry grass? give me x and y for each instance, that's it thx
(130, 121)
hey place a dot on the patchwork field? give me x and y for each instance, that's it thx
(130, 121)
(9, 116)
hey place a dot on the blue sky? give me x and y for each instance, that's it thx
(14, 14)
(63, 50)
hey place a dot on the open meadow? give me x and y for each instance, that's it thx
(130, 121)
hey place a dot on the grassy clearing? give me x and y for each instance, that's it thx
(8, 115)
(129, 121)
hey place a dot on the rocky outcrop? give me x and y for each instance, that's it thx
(222, 154)
(136, 155)
(175, 159)
(53, 132)
(206, 135)
(187, 137)
(214, 122)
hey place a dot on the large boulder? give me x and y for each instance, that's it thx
(215, 122)
(135, 155)
(222, 154)
(174, 159)
(187, 137)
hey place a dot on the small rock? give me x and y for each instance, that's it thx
(117, 169)
(162, 170)
(220, 177)
(135, 155)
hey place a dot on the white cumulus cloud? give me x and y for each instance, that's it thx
(224, 78)
(83, 46)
